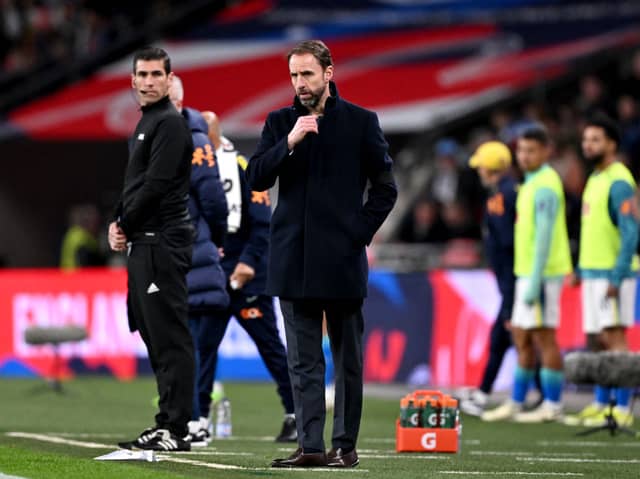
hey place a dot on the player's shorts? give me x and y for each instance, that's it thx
(544, 313)
(599, 313)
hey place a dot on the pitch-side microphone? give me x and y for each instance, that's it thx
(606, 368)
(54, 335)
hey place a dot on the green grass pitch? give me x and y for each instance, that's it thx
(94, 413)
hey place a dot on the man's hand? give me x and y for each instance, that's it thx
(117, 238)
(304, 125)
(242, 274)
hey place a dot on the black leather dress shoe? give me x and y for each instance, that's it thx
(337, 458)
(312, 459)
(295, 454)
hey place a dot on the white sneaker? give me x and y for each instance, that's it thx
(546, 412)
(474, 404)
(505, 411)
(199, 435)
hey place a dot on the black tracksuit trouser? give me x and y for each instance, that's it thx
(158, 308)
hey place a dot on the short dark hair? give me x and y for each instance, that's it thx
(317, 48)
(609, 126)
(535, 132)
(152, 53)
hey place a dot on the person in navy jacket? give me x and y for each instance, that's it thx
(206, 279)
(245, 263)
(323, 150)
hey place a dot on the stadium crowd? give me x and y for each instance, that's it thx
(39, 33)
(450, 206)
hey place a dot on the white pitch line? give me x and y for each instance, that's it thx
(246, 438)
(587, 443)
(373, 454)
(577, 459)
(211, 465)
(527, 453)
(384, 440)
(360, 451)
(213, 453)
(510, 473)
(172, 458)
(59, 440)
(4, 476)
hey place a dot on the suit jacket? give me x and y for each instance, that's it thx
(321, 224)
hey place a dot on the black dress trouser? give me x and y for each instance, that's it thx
(158, 308)
(303, 328)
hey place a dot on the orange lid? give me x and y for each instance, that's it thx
(451, 402)
(404, 402)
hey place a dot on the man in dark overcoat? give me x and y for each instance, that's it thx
(323, 151)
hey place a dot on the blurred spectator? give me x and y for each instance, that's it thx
(451, 179)
(570, 167)
(424, 224)
(459, 221)
(443, 186)
(629, 121)
(631, 81)
(593, 97)
(80, 247)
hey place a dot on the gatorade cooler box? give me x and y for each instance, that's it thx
(429, 422)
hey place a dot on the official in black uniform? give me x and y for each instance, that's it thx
(323, 150)
(153, 224)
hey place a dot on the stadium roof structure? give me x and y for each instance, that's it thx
(414, 64)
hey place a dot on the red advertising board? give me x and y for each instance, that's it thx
(93, 299)
(435, 330)
(464, 311)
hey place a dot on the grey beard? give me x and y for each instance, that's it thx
(311, 102)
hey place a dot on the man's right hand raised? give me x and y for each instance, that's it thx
(304, 125)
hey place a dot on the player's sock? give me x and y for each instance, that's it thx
(623, 397)
(603, 395)
(521, 381)
(551, 381)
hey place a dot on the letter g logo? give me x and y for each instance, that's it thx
(428, 440)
